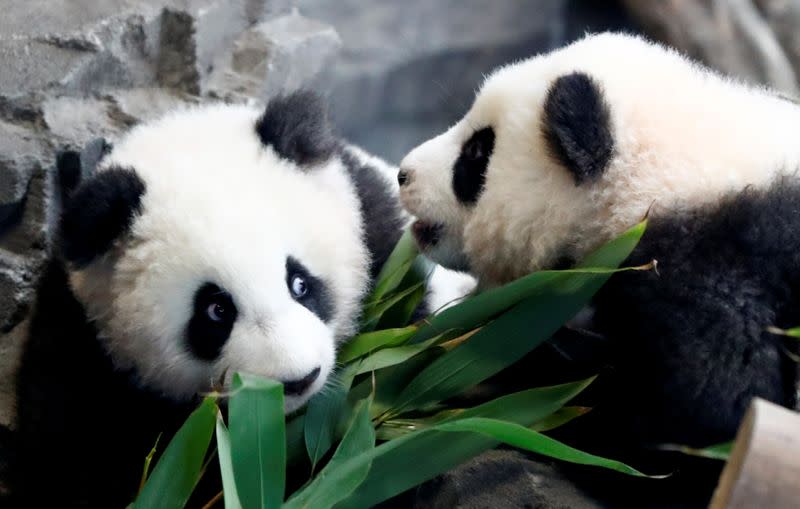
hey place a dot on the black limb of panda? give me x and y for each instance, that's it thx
(588, 140)
(216, 239)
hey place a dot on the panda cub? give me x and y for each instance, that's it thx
(564, 151)
(217, 239)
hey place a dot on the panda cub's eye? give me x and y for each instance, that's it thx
(210, 326)
(216, 312)
(308, 290)
(298, 286)
(474, 149)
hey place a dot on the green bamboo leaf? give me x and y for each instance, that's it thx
(393, 356)
(226, 465)
(560, 418)
(177, 472)
(258, 443)
(147, 460)
(528, 406)
(295, 439)
(395, 268)
(403, 311)
(373, 315)
(396, 464)
(324, 412)
(524, 438)
(716, 452)
(370, 341)
(389, 382)
(543, 406)
(500, 343)
(476, 310)
(327, 489)
(793, 332)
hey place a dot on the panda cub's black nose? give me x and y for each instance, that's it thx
(298, 387)
(403, 177)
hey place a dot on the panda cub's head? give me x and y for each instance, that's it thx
(221, 239)
(562, 152)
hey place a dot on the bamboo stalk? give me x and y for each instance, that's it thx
(764, 467)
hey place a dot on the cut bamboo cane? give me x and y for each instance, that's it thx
(764, 468)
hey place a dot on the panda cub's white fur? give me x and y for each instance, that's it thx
(683, 135)
(215, 240)
(220, 207)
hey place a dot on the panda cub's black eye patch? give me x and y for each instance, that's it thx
(469, 171)
(308, 290)
(214, 314)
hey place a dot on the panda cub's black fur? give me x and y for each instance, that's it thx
(88, 414)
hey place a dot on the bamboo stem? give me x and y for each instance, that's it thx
(764, 467)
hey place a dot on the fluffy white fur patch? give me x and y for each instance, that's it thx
(221, 207)
(683, 135)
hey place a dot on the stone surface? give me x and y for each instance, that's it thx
(263, 60)
(410, 69)
(503, 479)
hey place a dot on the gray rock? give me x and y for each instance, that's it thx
(503, 479)
(409, 69)
(129, 107)
(282, 54)
(10, 351)
(73, 121)
(20, 151)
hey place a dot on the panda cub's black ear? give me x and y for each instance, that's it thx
(99, 211)
(296, 127)
(72, 167)
(577, 126)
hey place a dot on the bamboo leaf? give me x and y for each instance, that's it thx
(295, 439)
(226, 465)
(258, 443)
(323, 414)
(389, 382)
(396, 464)
(327, 488)
(793, 332)
(374, 314)
(541, 402)
(370, 341)
(147, 460)
(480, 308)
(716, 452)
(531, 405)
(177, 472)
(500, 343)
(402, 312)
(560, 418)
(524, 438)
(392, 356)
(395, 268)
